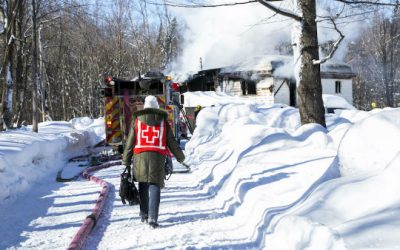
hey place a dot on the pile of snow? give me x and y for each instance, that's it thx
(93, 126)
(373, 143)
(354, 204)
(27, 157)
(360, 210)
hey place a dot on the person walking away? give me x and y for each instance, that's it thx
(149, 140)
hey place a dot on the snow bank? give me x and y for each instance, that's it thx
(212, 121)
(294, 232)
(360, 209)
(370, 144)
(94, 127)
(235, 156)
(27, 157)
(357, 210)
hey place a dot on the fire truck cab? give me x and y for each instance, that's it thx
(123, 97)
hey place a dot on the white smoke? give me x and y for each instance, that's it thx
(224, 36)
(348, 20)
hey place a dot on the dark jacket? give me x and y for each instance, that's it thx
(149, 166)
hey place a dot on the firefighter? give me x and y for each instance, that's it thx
(148, 142)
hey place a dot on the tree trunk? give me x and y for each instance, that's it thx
(35, 76)
(309, 77)
(49, 104)
(41, 75)
(8, 64)
(20, 69)
(7, 103)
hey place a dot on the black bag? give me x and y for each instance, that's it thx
(127, 189)
(168, 167)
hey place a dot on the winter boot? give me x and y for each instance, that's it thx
(153, 224)
(143, 219)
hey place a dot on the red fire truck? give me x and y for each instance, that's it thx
(122, 97)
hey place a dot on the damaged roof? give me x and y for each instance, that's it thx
(280, 66)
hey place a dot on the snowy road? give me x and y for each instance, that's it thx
(48, 216)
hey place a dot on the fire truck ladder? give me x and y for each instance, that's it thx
(186, 120)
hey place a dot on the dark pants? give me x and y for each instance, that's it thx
(149, 201)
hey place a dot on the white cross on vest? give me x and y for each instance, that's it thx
(150, 134)
(150, 138)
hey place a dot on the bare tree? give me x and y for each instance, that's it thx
(168, 38)
(59, 51)
(375, 56)
(21, 67)
(9, 12)
(388, 49)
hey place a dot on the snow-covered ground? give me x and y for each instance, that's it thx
(259, 180)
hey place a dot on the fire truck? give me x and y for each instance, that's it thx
(123, 97)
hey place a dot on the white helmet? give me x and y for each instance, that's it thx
(151, 102)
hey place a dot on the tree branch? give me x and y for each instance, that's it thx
(14, 12)
(335, 45)
(375, 2)
(280, 11)
(179, 5)
(49, 20)
(263, 2)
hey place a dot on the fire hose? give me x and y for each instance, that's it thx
(90, 221)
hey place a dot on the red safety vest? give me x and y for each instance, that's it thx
(150, 138)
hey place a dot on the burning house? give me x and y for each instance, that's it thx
(270, 79)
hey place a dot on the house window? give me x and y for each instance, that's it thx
(338, 87)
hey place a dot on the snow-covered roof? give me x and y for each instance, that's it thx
(334, 101)
(266, 63)
(282, 66)
(336, 70)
